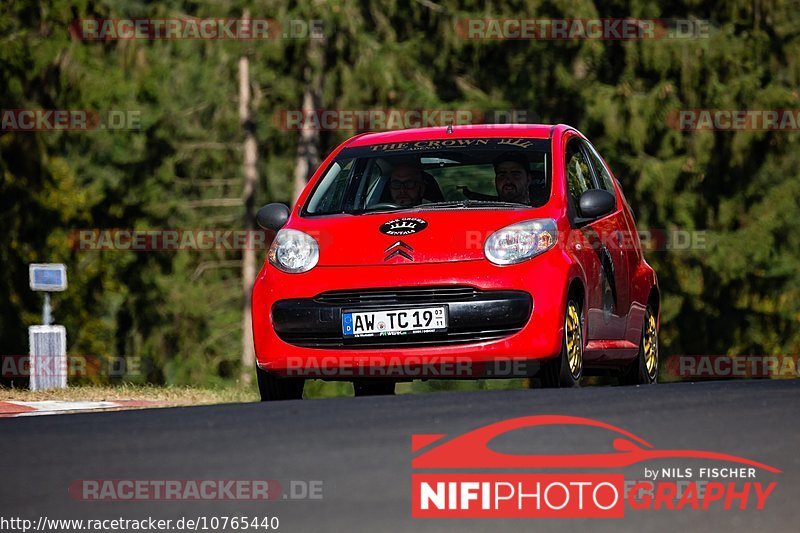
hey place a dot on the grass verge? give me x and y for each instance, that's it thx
(171, 395)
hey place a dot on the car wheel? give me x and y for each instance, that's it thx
(274, 387)
(644, 370)
(373, 388)
(566, 369)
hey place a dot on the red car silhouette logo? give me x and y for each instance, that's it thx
(471, 450)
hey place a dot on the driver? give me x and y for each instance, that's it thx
(406, 185)
(512, 178)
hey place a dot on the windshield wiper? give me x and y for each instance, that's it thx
(384, 210)
(465, 204)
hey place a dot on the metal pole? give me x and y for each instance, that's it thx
(46, 310)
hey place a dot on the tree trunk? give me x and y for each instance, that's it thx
(308, 144)
(249, 190)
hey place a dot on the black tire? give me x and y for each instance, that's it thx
(638, 372)
(274, 388)
(558, 372)
(373, 388)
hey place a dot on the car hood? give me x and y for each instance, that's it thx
(396, 238)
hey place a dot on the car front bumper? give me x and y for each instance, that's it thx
(473, 315)
(496, 314)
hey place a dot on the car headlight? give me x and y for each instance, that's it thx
(293, 251)
(521, 241)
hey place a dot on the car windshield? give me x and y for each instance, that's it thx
(423, 175)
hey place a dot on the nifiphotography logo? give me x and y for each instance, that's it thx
(593, 485)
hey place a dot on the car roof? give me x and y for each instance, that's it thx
(531, 131)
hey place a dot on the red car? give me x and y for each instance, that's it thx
(457, 252)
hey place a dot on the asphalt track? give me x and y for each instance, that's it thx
(360, 449)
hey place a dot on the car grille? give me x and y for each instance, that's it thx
(410, 295)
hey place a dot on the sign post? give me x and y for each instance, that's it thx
(47, 343)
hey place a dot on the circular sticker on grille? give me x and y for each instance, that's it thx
(403, 226)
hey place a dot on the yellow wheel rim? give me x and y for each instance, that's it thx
(574, 340)
(650, 339)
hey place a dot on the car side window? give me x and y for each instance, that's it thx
(331, 189)
(579, 177)
(371, 187)
(601, 171)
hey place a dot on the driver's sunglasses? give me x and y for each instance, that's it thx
(407, 185)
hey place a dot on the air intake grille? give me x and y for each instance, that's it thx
(410, 295)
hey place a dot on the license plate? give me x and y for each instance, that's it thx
(394, 322)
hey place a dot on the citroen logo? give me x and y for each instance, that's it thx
(400, 249)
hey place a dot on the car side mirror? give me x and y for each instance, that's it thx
(273, 216)
(596, 203)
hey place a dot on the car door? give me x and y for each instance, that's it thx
(613, 256)
(599, 251)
